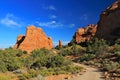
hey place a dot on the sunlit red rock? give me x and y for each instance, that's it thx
(85, 34)
(60, 44)
(35, 38)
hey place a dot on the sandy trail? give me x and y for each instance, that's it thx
(90, 74)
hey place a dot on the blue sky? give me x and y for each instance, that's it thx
(58, 18)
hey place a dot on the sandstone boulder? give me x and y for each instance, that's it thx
(35, 38)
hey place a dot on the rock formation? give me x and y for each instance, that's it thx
(85, 34)
(109, 23)
(60, 44)
(35, 38)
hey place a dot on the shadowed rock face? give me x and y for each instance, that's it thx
(109, 23)
(35, 39)
(85, 34)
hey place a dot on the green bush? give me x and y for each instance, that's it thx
(117, 41)
(98, 47)
(111, 66)
(86, 57)
(74, 50)
(49, 61)
(43, 58)
(4, 78)
(65, 52)
(9, 61)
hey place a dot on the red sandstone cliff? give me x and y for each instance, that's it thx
(35, 38)
(109, 23)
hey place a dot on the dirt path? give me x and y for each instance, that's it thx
(90, 74)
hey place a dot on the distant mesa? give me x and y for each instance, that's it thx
(109, 23)
(35, 38)
(85, 34)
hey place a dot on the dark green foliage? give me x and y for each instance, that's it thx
(9, 61)
(74, 50)
(3, 67)
(65, 52)
(44, 58)
(117, 41)
(111, 66)
(86, 57)
(98, 47)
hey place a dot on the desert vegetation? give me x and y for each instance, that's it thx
(101, 54)
(39, 64)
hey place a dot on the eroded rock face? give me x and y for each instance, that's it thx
(85, 34)
(35, 38)
(109, 23)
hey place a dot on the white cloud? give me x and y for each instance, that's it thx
(72, 25)
(50, 7)
(9, 20)
(55, 24)
(52, 16)
(84, 17)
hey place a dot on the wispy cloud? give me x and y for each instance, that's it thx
(72, 25)
(84, 17)
(52, 16)
(50, 7)
(9, 20)
(55, 24)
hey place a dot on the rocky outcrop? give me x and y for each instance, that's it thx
(85, 34)
(60, 44)
(109, 23)
(35, 38)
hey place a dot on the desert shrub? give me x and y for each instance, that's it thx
(74, 50)
(111, 66)
(118, 71)
(98, 65)
(91, 62)
(39, 77)
(3, 67)
(4, 78)
(117, 41)
(65, 52)
(95, 44)
(9, 61)
(13, 64)
(86, 57)
(20, 77)
(98, 47)
(116, 51)
(36, 56)
(50, 61)
(43, 58)
(31, 74)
